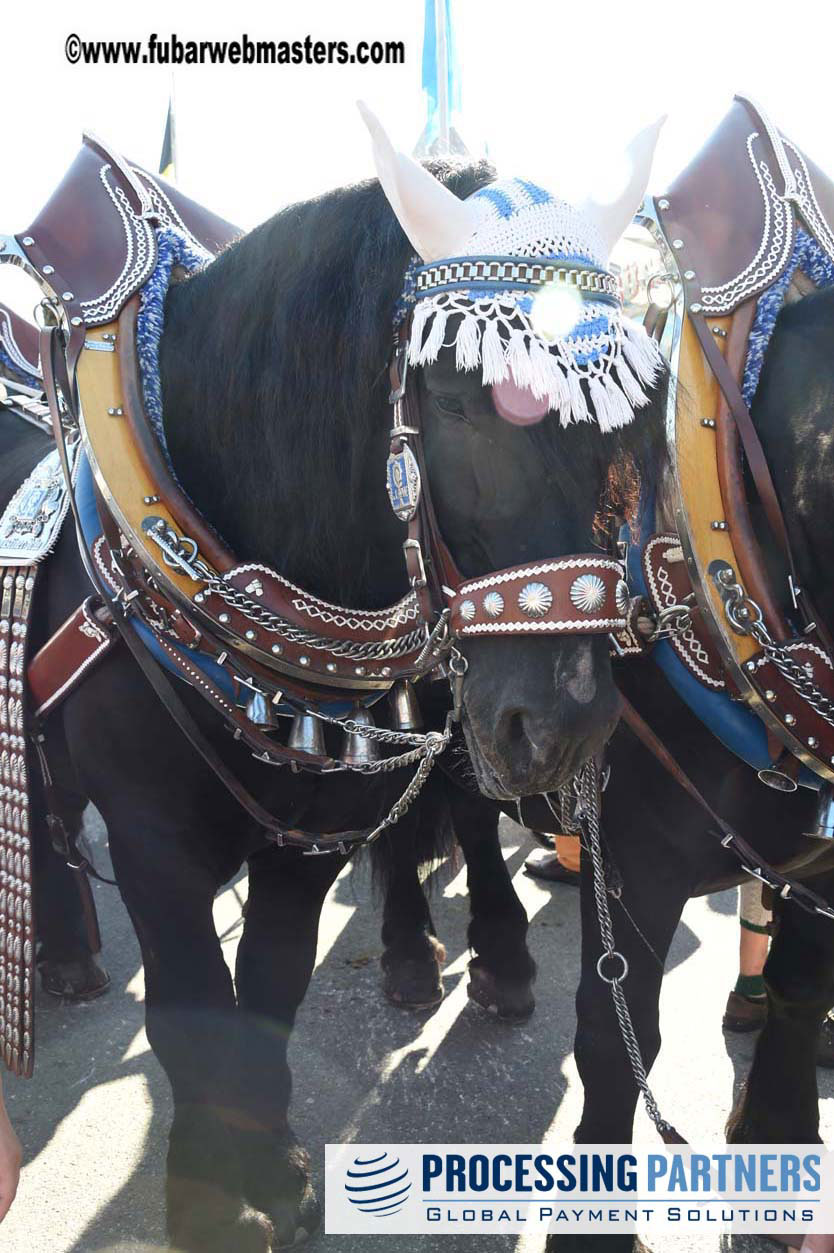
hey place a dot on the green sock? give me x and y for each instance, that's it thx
(751, 986)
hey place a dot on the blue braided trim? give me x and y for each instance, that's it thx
(807, 256)
(32, 380)
(172, 249)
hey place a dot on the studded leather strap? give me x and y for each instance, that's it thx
(583, 594)
(17, 928)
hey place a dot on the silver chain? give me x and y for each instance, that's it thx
(175, 554)
(746, 617)
(415, 786)
(585, 788)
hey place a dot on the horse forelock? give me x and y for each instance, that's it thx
(274, 367)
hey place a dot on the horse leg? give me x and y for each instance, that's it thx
(68, 936)
(655, 902)
(275, 960)
(501, 972)
(779, 1103)
(192, 1026)
(412, 954)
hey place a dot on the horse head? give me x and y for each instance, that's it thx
(527, 395)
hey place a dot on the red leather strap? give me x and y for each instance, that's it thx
(81, 641)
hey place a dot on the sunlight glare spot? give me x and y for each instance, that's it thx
(555, 312)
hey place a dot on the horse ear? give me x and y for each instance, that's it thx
(436, 222)
(612, 218)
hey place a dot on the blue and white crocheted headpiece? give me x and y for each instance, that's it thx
(516, 280)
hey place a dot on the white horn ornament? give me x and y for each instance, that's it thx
(611, 219)
(436, 222)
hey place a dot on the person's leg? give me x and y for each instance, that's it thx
(11, 1156)
(560, 866)
(747, 1003)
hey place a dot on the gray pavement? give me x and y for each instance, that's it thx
(93, 1121)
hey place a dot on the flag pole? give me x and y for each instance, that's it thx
(442, 48)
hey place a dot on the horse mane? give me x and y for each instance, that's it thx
(274, 371)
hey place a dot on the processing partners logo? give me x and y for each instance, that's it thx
(378, 1184)
(481, 1189)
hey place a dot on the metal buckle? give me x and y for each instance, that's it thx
(401, 363)
(421, 580)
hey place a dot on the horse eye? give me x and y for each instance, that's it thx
(450, 405)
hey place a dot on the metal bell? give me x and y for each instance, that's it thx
(822, 828)
(405, 707)
(359, 750)
(306, 735)
(259, 711)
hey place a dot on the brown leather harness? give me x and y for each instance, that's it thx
(278, 644)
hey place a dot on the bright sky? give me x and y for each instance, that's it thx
(545, 85)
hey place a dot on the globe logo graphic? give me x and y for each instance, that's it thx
(378, 1185)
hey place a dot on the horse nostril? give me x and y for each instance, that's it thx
(515, 729)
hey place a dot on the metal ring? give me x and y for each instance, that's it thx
(40, 311)
(614, 978)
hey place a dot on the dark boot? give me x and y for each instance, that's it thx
(547, 866)
(745, 1013)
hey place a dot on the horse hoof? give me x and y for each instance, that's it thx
(76, 981)
(217, 1224)
(511, 1002)
(414, 982)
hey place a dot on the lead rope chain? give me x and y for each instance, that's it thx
(587, 789)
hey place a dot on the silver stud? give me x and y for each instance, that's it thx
(677, 243)
(789, 720)
(770, 694)
(304, 661)
(251, 635)
(467, 610)
(587, 593)
(223, 617)
(750, 665)
(689, 274)
(77, 321)
(493, 604)
(710, 422)
(813, 742)
(150, 500)
(67, 295)
(115, 412)
(535, 599)
(718, 526)
(277, 649)
(663, 204)
(695, 308)
(360, 670)
(199, 598)
(48, 269)
(331, 667)
(28, 240)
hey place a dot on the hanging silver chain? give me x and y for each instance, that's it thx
(580, 800)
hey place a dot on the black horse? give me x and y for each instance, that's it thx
(273, 364)
(658, 839)
(658, 845)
